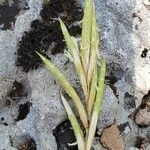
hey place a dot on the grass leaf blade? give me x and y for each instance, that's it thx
(94, 46)
(97, 105)
(69, 89)
(76, 127)
(67, 37)
(92, 93)
(74, 51)
(86, 32)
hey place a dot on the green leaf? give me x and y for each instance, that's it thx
(86, 34)
(92, 93)
(67, 37)
(69, 89)
(74, 51)
(97, 105)
(94, 46)
(74, 122)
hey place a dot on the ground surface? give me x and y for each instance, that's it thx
(31, 113)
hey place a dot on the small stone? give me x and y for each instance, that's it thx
(111, 138)
(146, 2)
(145, 145)
(142, 77)
(108, 112)
(142, 117)
(148, 105)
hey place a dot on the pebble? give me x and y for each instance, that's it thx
(111, 138)
(142, 117)
(146, 2)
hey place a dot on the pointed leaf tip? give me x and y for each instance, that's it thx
(41, 56)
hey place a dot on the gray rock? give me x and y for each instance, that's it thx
(142, 117)
(48, 101)
(96, 144)
(7, 61)
(108, 112)
(8, 46)
(39, 130)
(23, 20)
(123, 107)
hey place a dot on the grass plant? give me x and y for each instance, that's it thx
(91, 75)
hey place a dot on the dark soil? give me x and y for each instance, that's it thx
(111, 80)
(139, 141)
(113, 76)
(144, 53)
(18, 90)
(23, 110)
(9, 12)
(64, 134)
(145, 99)
(2, 121)
(28, 145)
(123, 126)
(46, 33)
(129, 101)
